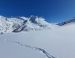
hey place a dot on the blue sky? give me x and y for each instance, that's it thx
(52, 10)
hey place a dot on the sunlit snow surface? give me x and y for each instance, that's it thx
(58, 41)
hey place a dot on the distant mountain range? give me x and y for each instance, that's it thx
(32, 23)
(66, 22)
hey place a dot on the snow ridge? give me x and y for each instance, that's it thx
(67, 22)
(18, 24)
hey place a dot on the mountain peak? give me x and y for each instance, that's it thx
(17, 24)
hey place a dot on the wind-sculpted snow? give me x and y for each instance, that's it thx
(17, 24)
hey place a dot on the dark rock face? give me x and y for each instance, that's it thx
(33, 19)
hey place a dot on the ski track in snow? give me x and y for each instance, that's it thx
(34, 48)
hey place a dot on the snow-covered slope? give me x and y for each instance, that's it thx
(17, 24)
(56, 42)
